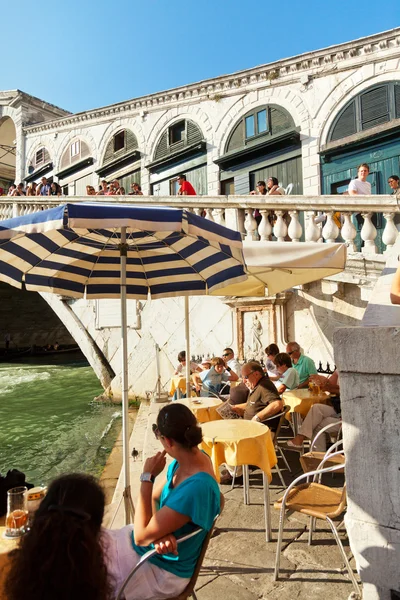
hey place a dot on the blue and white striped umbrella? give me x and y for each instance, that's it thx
(119, 251)
(74, 250)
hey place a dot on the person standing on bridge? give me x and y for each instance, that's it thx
(185, 188)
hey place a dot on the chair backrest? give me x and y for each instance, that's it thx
(193, 580)
(283, 414)
(289, 189)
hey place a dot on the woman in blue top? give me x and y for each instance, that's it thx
(186, 498)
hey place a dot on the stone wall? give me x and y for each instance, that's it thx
(367, 358)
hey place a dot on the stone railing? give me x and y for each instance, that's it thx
(282, 218)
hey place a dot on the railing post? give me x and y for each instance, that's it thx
(313, 232)
(330, 230)
(209, 214)
(15, 209)
(265, 227)
(349, 232)
(250, 225)
(218, 214)
(280, 228)
(368, 234)
(198, 211)
(390, 233)
(295, 230)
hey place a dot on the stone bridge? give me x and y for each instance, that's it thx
(308, 314)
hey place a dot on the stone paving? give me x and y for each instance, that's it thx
(239, 563)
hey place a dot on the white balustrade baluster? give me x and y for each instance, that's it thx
(330, 230)
(209, 214)
(250, 225)
(295, 230)
(218, 214)
(349, 232)
(390, 232)
(368, 234)
(280, 228)
(265, 227)
(313, 232)
(198, 211)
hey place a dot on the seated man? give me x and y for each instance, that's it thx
(262, 403)
(211, 381)
(230, 360)
(263, 400)
(304, 365)
(289, 378)
(320, 415)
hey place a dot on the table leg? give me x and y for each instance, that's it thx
(246, 495)
(267, 508)
(296, 420)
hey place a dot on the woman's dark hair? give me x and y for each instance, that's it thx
(262, 184)
(282, 359)
(61, 555)
(274, 180)
(182, 356)
(272, 349)
(177, 422)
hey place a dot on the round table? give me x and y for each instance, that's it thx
(204, 409)
(239, 442)
(300, 402)
(178, 383)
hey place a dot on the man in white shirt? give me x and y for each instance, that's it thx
(360, 186)
(231, 362)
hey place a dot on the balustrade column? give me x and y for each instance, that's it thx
(218, 214)
(198, 212)
(330, 230)
(349, 232)
(368, 234)
(250, 225)
(265, 227)
(390, 232)
(209, 214)
(280, 228)
(313, 232)
(295, 230)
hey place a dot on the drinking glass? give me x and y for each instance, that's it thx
(17, 512)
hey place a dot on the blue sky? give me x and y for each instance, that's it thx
(83, 54)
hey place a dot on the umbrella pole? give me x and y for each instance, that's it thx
(129, 510)
(187, 350)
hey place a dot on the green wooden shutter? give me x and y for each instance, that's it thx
(236, 139)
(374, 106)
(130, 145)
(280, 121)
(346, 123)
(193, 133)
(162, 147)
(397, 100)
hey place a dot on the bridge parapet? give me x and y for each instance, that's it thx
(350, 219)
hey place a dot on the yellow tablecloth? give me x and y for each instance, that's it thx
(239, 442)
(177, 381)
(301, 401)
(205, 410)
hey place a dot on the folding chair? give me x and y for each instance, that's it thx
(189, 589)
(275, 435)
(319, 502)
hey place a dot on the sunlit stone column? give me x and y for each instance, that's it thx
(368, 234)
(349, 232)
(330, 230)
(295, 230)
(250, 225)
(209, 214)
(198, 211)
(390, 232)
(280, 228)
(265, 227)
(218, 214)
(312, 232)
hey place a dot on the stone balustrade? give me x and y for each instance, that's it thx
(281, 218)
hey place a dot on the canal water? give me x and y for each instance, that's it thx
(49, 421)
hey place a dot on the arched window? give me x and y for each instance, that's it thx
(258, 125)
(375, 106)
(77, 151)
(180, 136)
(122, 144)
(40, 158)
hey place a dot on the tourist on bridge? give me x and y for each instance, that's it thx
(44, 188)
(394, 183)
(185, 187)
(360, 186)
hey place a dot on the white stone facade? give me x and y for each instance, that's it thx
(312, 87)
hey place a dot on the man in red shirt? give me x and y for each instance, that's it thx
(186, 188)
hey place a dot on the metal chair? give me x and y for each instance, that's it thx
(275, 435)
(189, 589)
(311, 460)
(319, 502)
(289, 189)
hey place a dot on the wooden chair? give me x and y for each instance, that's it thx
(319, 502)
(189, 589)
